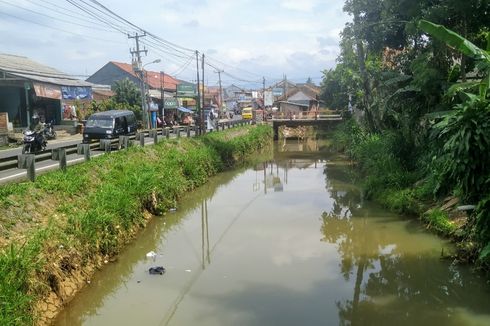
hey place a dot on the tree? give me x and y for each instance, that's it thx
(127, 92)
(128, 96)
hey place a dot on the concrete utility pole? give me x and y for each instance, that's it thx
(138, 69)
(202, 65)
(162, 94)
(220, 90)
(263, 92)
(198, 100)
(286, 86)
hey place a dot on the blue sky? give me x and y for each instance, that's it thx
(247, 39)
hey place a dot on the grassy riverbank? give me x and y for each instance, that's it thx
(56, 232)
(407, 179)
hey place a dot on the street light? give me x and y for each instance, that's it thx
(143, 91)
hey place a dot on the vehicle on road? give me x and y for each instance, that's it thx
(109, 125)
(247, 113)
(49, 131)
(34, 141)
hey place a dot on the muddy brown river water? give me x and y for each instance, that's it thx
(288, 241)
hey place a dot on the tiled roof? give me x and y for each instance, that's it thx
(152, 77)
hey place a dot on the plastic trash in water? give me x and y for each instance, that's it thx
(173, 209)
(156, 270)
(188, 270)
(151, 254)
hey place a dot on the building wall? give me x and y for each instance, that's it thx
(11, 100)
(110, 74)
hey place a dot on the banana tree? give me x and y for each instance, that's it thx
(461, 44)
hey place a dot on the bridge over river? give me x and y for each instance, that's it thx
(326, 121)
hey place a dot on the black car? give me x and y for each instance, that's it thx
(109, 124)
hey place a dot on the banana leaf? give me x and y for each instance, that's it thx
(454, 40)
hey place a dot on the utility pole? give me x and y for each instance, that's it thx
(263, 92)
(198, 100)
(162, 87)
(202, 65)
(138, 69)
(286, 86)
(220, 90)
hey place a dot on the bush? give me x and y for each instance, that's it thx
(439, 221)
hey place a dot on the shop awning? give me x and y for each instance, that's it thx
(47, 90)
(185, 110)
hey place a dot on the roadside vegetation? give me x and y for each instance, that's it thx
(56, 232)
(418, 75)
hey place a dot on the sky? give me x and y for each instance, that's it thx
(246, 39)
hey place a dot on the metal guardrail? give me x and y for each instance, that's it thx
(12, 161)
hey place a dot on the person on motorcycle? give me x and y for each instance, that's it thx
(38, 127)
(36, 124)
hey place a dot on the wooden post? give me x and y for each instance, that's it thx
(188, 129)
(142, 140)
(167, 132)
(178, 132)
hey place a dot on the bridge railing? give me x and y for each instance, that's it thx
(312, 115)
(12, 161)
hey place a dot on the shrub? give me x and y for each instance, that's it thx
(439, 221)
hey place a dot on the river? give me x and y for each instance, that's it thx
(287, 241)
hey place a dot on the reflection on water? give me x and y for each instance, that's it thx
(288, 241)
(397, 277)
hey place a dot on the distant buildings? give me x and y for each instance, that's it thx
(296, 98)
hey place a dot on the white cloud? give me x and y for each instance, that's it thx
(263, 36)
(303, 5)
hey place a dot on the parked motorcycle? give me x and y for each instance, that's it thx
(33, 142)
(49, 131)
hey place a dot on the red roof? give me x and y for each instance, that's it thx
(153, 78)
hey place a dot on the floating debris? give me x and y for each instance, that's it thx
(157, 270)
(151, 254)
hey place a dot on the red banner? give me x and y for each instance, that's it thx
(48, 91)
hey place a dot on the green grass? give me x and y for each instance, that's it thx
(439, 221)
(95, 207)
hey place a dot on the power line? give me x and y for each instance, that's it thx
(86, 19)
(57, 29)
(139, 28)
(97, 16)
(48, 16)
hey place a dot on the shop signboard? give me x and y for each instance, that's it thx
(170, 103)
(277, 91)
(186, 90)
(268, 98)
